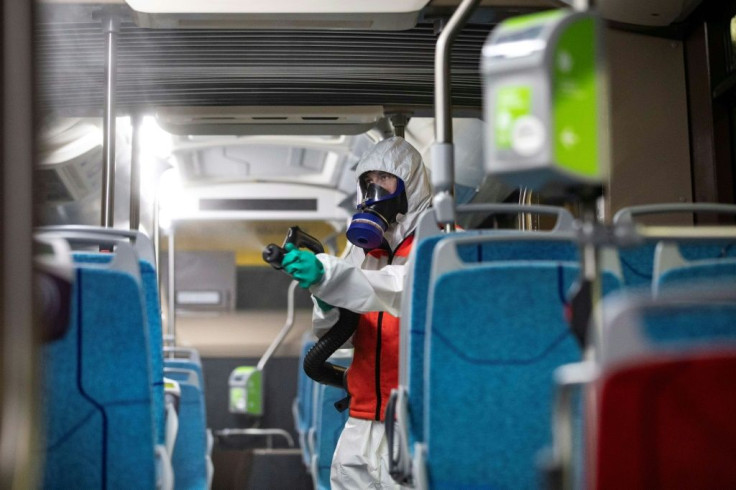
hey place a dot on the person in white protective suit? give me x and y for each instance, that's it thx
(393, 189)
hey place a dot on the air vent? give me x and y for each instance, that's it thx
(269, 120)
(257, 204)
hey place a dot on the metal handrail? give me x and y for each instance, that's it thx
(170, 338)
(135, 173)
(443, 165)
(284, 330)
(626, 215)
(139, 240)
(442, 102)
(269, 433)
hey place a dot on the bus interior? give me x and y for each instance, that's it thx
(562, 326)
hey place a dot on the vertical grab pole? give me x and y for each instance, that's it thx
(157, 236)
(135, 173)
(20, 413)
(171, 323)
(443, 164)
(111, 27)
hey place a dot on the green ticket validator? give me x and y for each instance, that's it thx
(545, 101)
(245, 391)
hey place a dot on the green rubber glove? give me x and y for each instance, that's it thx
(322, 305)
(303, 266)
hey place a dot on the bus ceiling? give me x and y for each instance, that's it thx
(284, 66)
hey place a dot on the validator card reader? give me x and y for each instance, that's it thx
(546, 102)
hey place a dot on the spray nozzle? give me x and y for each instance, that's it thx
(274, 255)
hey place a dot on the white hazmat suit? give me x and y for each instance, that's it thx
(367, 282)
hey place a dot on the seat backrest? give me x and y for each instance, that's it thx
(673, 269)
(189, 365)
(666, 393)
(99, 430)
(418, 284)
(155, 332)
(69, 415)
(638, 263)
(494, 368)
(156, 341)
(496, 333)
(190, 449)
(328, 425)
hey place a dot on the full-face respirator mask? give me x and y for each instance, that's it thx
(377, 210)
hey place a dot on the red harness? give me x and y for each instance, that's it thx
(374, 371)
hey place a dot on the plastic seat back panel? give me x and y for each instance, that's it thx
(669, 424)
(470, 253)
(113, 376)
(328, 425)
(498, 331)
(155, 331)
(190, 449)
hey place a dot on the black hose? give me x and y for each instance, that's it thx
(390, 424)
(315, 362)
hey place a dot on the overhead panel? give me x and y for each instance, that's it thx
(516, 4)
(256, 201)
(646, 13)
(254, 120)
(275, 14)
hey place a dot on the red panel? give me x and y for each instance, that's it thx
(669, 424)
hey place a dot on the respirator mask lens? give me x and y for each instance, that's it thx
(374, 193)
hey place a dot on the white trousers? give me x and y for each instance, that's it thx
(361, 458)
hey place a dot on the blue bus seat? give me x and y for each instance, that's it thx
(638, 263)
(418, 284)
(173, 401)
(671, 354)
(489, 370)
(97, 386)
(673, 269)
(189, 458)
(327, 424)
(155, 331)
(189, 365)
(156, 341)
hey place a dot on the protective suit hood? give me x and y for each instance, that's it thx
(397, 157)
